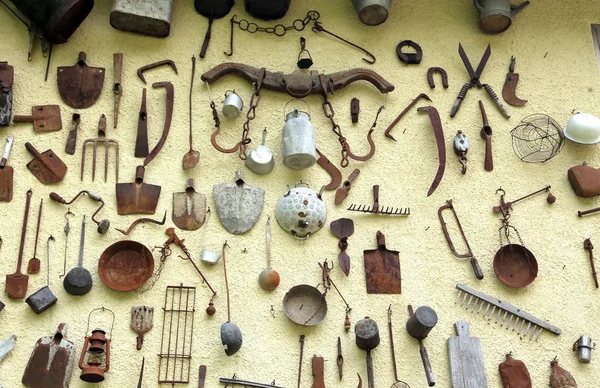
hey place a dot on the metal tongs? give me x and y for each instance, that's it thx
(469, 254)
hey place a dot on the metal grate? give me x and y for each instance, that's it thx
(177, 331)
(596, 37)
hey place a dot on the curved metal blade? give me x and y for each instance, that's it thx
(436, 123)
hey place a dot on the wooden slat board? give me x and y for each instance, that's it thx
(466, 359)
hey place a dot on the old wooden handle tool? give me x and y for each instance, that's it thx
(486, 134)
(318, 371)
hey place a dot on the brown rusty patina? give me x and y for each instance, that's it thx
(45, 118)
(80, 85)
(125, 265)
(382, 269)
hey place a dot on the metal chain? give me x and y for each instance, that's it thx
(251, 114)
(279, 29)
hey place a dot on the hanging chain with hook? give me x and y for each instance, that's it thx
(298, 25)
(67, 230)
(330, 114)
(242, 145)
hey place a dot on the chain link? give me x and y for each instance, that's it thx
(251, 115)
(279, 29)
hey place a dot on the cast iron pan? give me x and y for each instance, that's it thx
(212, 9)
(515, 265)
(125, 265)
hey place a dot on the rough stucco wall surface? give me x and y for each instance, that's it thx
(555, 57)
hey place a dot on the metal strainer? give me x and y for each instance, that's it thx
(537, 138)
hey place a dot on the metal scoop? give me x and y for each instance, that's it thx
(192, 157)
(260, 161)
(79, 280)
(231, 335)
(33, 266)
(367, 338)
(43, 299)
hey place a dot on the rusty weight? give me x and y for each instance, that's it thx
(514, 373)
(80, 85)
(585, 180)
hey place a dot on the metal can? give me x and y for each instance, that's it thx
(298, 141)
(233, 105)
(372, 12)
(583, 346)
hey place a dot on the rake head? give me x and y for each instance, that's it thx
(390, 211)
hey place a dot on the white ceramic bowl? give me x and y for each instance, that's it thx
(583, 128)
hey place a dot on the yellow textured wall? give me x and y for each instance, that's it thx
(555, 57)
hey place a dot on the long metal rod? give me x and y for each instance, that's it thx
(225, 380)
(191, 94)
(24, 230)
(301, 356)
(37, 230)
(51, 238)
(82, 242)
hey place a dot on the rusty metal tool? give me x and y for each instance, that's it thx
(418, 326)
(469, 254)
(101, 139)
(367, 338)
(318, 371)
(461, 147)
(431, 71)
(192, 157)
(230, 382)
(72, 137)
(503, 313)
(359, 381)
(298, 84)
(141, 379)
(475, 75)
(175, 354)
(342, 229)
(142, 320)
(117, 87)
(201, 376)
(102, 225)
(141, 139)
(45, 118)
(382, 269)
(438, 131)
(405, 111)
(16, 284)
(301, 356)
(510, 86)
(397, 382)
(78, 280)
(486, 134)
(43, 299)
(340, 358)
(342, 193)
(33, 266)
(376, 209)
(354, 109)
(318, 27)
(51, 362)
(67, 229)
(7, 77)
(47, 166)
(142, 221)
(560, 377)
(166, 62)
(582, 213)
(80, 85)
(170, 95)
(587, 245)
(6, 173)
(332, 170)
(506, 207)
(189, 208)
(137, 197)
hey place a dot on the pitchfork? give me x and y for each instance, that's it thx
(375, 209)
(101, 139)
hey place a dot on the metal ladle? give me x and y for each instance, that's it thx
(268, 279)
(79, 280)
(367, 338)
(260, 160)
(192, 157)
(231, 335)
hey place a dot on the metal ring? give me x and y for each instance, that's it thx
(302, 25)
(279, 27)
(252, 28)
(243, 24)
(409, 58)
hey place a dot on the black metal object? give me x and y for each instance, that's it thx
(409, 58)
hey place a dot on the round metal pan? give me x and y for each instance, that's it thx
(305, 305)
(125, 265)
(515, 265)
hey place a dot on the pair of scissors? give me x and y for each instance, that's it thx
(475, 75)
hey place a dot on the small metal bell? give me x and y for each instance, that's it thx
(260, 161)
(304, 58)
(233, 105)
(461, 147)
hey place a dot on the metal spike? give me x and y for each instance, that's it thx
(486, 310)
(504, 318)
(469, 303)
(481, 306)
(527, 330)
(492, 313)
(539, 333)
(498, 316)
(509, 321)
(464, 299)
(532, 332)
(474, 306)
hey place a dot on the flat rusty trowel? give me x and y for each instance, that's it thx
(47, 166)
(45, 118)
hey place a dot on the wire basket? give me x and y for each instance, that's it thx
(537, 139)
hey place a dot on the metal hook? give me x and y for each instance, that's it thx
(318, 27)
(230, 53)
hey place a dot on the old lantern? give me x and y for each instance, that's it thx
(95, 355)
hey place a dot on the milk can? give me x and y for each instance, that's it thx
(298, 140)
(233, 105)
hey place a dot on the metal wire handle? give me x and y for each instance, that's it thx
(102, 309)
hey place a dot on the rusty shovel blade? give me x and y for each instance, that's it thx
(80, 85)
(382, 269)
(47, 166)
(45, 118)
(189, 208)
(137, 197)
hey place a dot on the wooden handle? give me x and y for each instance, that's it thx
(206, 38)
(318, 371)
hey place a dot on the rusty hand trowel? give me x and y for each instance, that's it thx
(382, 269)
(6, 173)
(16, 284)
(47, 166)
(45, 118)
(51, 361)
(142, 320)
(80, 85)
(189, 208)
(238, 204)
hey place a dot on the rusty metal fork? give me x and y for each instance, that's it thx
(101, 139)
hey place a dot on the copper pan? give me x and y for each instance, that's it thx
(515, 265)
(125, 265)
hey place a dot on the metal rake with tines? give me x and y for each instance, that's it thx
(101, 139)
(376, 209)
(475, 300)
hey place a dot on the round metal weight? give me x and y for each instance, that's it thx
(125, 265)
(515, 266)
(305, 305)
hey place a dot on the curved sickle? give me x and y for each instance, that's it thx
(298, 83)
(169, 116)
(436, 123)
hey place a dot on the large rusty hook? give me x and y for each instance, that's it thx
(318, 27)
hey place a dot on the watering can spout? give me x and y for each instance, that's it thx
(515, 9)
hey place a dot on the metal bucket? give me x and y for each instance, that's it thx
(495, 16)
(152, 18)
(233, 105)
(372, 12)
(298, 141)
(57, 18)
